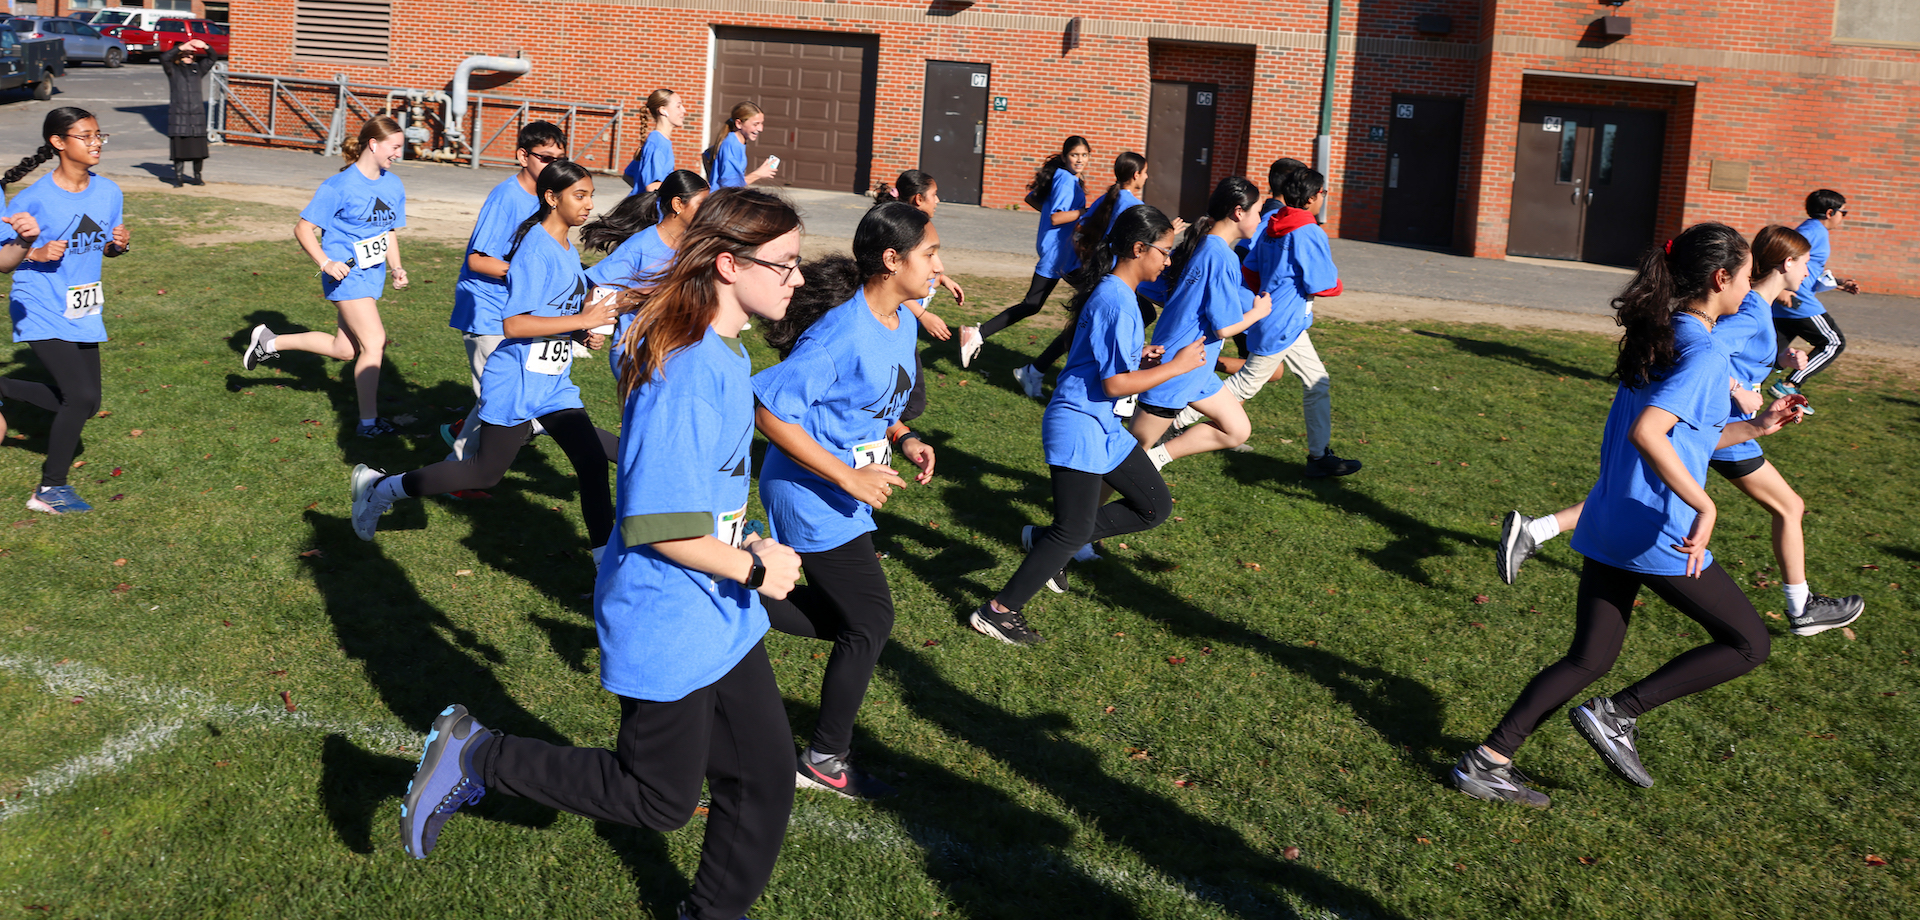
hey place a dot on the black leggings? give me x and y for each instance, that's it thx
(1824, 339)
(845, 601)
(73, 398)
(1058, 347)
(499, 444)
(733, 733)
(1038, 291)
(1079, 518)
(1602, 611)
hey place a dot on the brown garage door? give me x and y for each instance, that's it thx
(817, 89)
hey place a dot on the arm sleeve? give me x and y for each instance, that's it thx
(400, 210)
(656, 161)
(793, 386)
(1696, 388)
(319, 211)
(529, 278)
(1227, 300)
(1111, 355)
(1060, 197)
(1313, 261)
(493, 229)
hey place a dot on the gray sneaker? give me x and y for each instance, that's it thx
(1824, 613)
(1516, 546)
(1611, 735)
(257, 352)
(1477, 775)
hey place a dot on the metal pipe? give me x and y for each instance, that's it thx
(1323, 144)
(457, 108)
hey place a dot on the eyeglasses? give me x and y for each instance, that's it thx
(1843, 212)
(1165, 252)
(785, 270)
(546, 159)
(91, 140)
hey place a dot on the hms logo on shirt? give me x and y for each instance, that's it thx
(570, 303)
(380, 213)
(736, 464)
(889, 406)
(87, 237)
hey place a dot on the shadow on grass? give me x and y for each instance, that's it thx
(1514, 354)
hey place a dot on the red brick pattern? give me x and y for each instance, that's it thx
(1799, 129)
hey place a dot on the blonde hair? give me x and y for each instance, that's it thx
(658, 100)
(377, 128)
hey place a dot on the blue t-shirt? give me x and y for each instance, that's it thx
(1632, 519)
(845, 382)
(64, 299)
(1805, 300)
(1292, 267)
(637, 256)
(1055, 244)
(685, 453)
(1079, 429)
(527, 378)
(1210, 297)
(729, 163)
(478, 298)
(653, 163)
(350, 207)
(1748, 339)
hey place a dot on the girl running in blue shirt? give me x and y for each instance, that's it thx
(527, 377)
(1649, 519)
(1060, 198)
(727, 159)
(1109, 365)
(680, 606)
(651, 165)
(641, 232)
(920, 190)
(832, 410)
(349, 231)
(75, 218)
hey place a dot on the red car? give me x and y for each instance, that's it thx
(168, 32)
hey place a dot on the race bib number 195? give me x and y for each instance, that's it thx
(84, 300)
(550, 355)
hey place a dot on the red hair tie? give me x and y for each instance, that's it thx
(1669, 247)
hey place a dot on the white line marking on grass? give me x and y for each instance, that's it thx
(178, 707)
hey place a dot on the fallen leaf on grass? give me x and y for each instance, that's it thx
(117, 471)
(1290, 853)
(461, 572)
(930, 643)
(1639, 603)
(1871, 567)
(103, 413)
(119, 562)
(1588, 860)
(1848, 632)
(313, 554)
(122, 588)
(700, 811)
(1119, 635)
(1478, 625)
(933, 525)
(1254, 566)
(1873, 860)
(1109, 710)
(273, 441)
(226, 622)
(1173, 660)
(136, 432)
(1421, 840)
(278, 673)
(1829, 736)
(1890, 693)
(1457, 867)
(1480, 598)
(1773, 615)
(1137, 754)
(312, 505)
(1183, 783)
(79, 463)
(1339, 809)
(286, 696)
(223, 763)
(77, 700)
(1206, 650)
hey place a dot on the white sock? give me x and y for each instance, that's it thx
(1796, 598)
(266, 342)
(1187, 417)
(538, 429)
(598, 552)
(1158, 454)
(1542, 529)
(815, 757)
(368, 422)
(389, 490)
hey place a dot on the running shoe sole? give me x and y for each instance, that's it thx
(1590, 729)
(424, 796)
(986, 628)
(1512, 528)
(1860, 607)
(970, 344)
(1486, 793)
(254, 353)
(362, 481)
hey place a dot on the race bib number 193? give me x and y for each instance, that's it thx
(370, 252)
(84, 300)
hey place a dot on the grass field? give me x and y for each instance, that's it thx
(1289, 663)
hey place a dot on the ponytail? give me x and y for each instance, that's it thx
(741, 112)
(912, 184)
(1142, 223)
(1093, 225)
(1670, 278)
(559, 176)
(377, 128)
(635, 213)
(1233, 193)
(58, 122)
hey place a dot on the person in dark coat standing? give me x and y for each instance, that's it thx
(187, 65)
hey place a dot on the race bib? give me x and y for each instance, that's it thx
(1124, 407)
(872, 452)
(551, 355)
(732, 527)
(84, 300)
(370, 252)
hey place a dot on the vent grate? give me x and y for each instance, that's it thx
(342, 30)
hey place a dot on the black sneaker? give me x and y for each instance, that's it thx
(1058, 583)
(1009, 627)
(1824, 613)
(1516, 546)
(378, 428)
(1611, 735)
(839, 777)
(1329, 465)
(1477, 775)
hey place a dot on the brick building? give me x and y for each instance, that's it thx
(215, 10)
(1524, 127)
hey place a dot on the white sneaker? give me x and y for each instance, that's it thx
(257, 352)
(970, 344)
(367, 506)
(1030, 379)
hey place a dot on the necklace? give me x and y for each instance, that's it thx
(1703, 317)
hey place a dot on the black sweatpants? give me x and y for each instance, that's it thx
(1823, 337)
(1602, 610)
(499, 444)
(73, 398)
(1038, 291)
(847, 602)
(1079, 518)
(1064, 339)
(732, 733)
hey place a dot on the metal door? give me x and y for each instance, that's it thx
(953, 128)
(1549, 181)
(817, 90)
(1180, 122)
(1423, 170)
(1623, 184)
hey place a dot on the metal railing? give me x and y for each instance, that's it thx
(304, 112)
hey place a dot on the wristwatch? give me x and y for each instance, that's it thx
(757, 575)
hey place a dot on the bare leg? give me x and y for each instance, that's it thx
(1770, 489)
(1226, 426)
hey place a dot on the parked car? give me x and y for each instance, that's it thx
(83, 42)
(31, 64)
(148, 35)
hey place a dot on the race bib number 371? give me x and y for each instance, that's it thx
(84, 300)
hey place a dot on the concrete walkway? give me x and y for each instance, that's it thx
(131, 105)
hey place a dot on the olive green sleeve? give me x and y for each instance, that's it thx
(641, 529)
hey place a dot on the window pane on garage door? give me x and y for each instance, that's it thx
(817, 90)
